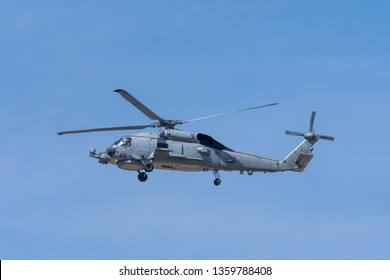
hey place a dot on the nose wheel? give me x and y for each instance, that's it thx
(217, 180)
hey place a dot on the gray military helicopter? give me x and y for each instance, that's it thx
(173, 149)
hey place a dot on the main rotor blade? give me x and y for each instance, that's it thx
(230, 112)
(134, 127)
(313, 116)
(138, 104)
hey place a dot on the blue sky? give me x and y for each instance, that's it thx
(61, 60)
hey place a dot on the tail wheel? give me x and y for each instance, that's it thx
(217, 180)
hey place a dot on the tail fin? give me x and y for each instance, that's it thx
(300, 157)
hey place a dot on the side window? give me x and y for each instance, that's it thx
(162, 145)
(127, 142)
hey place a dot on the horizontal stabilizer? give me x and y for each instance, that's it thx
(302, 161)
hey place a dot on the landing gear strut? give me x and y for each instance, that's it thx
(217, 180)
(142, 176)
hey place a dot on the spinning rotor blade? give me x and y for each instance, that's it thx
(330, 138)
(226, 113)
(313, 116)
(294, 133)
(169, 124)
(138, 104)
(134, 127)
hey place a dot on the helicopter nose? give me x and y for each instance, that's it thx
(111, 151)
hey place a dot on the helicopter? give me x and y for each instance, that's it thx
(174, 149)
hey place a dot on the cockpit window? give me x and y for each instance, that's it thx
(117, 142)
(124, 141)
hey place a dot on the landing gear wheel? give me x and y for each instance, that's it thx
(149, 167)
(142, 176)
(217, 180)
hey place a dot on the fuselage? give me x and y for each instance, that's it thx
(183, 151)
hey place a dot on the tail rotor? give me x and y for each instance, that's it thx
(310, 136)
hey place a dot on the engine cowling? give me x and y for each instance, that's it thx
(178, 135)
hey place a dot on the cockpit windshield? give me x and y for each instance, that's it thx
(124, 141)
(117, 142)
